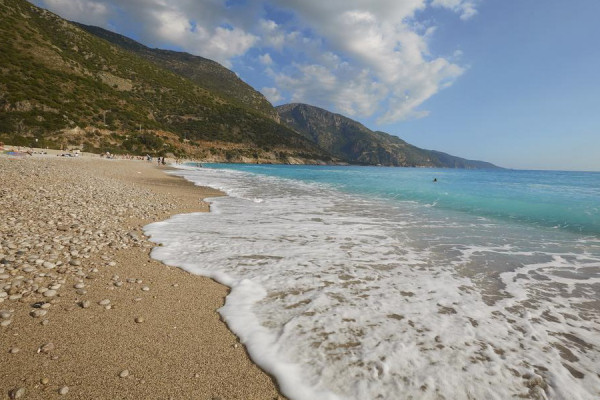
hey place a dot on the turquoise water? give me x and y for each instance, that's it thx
(352, 283)
(555, 199)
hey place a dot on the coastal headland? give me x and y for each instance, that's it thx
(85, 313)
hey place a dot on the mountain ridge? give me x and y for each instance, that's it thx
(66, 84)
(352, 141)
(206, 73)
(61, 86)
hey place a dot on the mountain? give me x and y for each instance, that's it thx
(206, 73)
(64, 84)
(351, 141)
(61, 86)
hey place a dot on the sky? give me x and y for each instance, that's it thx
(512, 82)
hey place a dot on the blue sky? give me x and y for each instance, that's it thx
(515, 82)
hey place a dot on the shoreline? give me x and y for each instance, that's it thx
(159, 336)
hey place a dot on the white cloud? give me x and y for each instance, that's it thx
(272, 34)
(378, 62)
(272, 94)
(466, 8)
(360, 57)
(84, 11)
(202, 27)
(265, 59)
(352, 92)
(223, 44)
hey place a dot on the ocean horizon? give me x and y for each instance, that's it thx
(387, 283)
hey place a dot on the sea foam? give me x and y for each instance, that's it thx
(341, 296)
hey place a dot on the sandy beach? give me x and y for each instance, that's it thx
(85, 313)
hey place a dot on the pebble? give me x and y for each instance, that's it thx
(124, 373)
(17, 393)
(14, 350)
(104, 302)
(46, 348)
(44, 381)
(63, 390)
(139, 320)
(56, 220)
(145, 288)
(38, 313)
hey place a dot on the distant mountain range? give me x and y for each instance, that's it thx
(65, 84)
(350, 140)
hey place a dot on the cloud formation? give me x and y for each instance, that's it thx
(272, 94)
(466, 8)
(84, 11)
(363, 58)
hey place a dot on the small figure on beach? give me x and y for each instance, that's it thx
(163, 160)
(435, 179)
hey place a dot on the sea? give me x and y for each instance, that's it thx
(367, 283)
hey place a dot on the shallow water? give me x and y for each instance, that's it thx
(366, 283)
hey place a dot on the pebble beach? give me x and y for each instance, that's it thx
(85, 313)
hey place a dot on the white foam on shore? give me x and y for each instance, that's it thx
(341, 297)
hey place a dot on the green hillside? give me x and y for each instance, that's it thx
(66, 87)
(206, 73)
